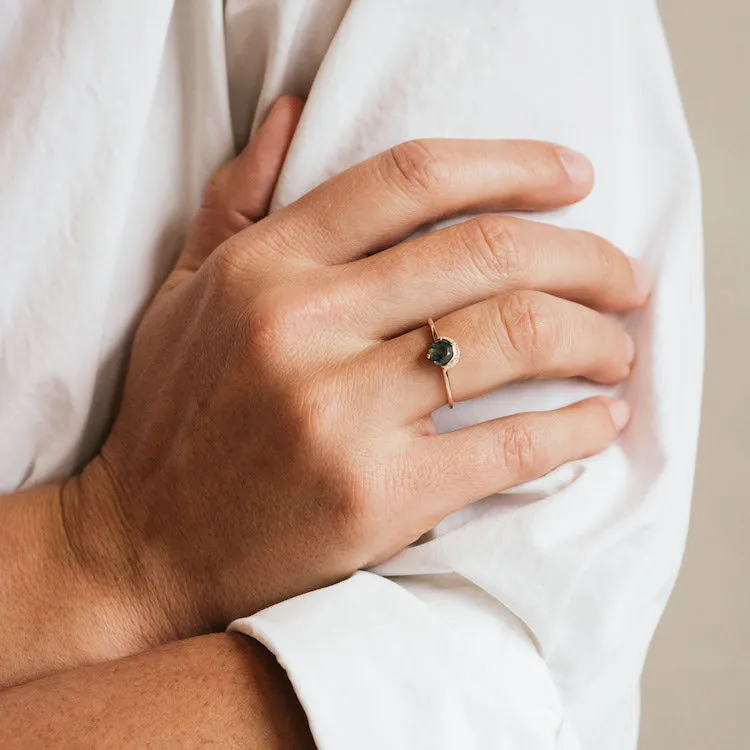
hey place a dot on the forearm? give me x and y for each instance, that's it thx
(218, 688)
(55, 612)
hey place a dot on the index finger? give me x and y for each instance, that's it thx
(378, 202)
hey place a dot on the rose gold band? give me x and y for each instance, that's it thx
(446, 377)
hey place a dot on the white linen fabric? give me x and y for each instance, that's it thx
(522, 622)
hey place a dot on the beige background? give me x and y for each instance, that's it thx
(696, 689)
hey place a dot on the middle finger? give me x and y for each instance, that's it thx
(442, 271)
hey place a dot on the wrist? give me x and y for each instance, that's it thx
(119, 581)
(69, 594)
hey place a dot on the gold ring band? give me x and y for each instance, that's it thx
(443, 352)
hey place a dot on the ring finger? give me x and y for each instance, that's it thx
(517, 336)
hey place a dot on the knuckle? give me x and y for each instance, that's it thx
(414, 168)
(282, 238)
(264, 325)
(340, 476)
(521, 446)
(524, 326)
(225, 268)
(492, 244)
(277, 325)
(285, 236)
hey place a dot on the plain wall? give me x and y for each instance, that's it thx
(696, 691)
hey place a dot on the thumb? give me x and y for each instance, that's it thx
(241, 191)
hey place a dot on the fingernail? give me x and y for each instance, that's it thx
(619, 411)
(629, 348)
(577, 166)
(641, 277)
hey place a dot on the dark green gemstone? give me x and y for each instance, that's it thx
(440, 352)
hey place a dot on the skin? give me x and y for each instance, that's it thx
(221, 690)
(278, 398)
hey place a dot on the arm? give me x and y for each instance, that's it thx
(216, 689)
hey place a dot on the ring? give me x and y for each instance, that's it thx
(444, 352)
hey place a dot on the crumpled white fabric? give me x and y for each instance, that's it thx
(524, 621)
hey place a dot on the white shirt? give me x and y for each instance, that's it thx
(524, 621)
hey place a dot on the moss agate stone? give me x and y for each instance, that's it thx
(440, 352)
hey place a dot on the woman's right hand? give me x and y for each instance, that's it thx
(275, 431)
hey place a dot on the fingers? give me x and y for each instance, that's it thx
(513, 337)
(241, 191)
(380, 201)
(478, 461)
(436, 273)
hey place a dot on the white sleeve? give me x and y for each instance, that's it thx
(525, 621)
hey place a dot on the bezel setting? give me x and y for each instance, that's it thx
(455, 357)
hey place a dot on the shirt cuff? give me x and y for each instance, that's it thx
(374, 667)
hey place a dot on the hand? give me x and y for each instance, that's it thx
(275, 431)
